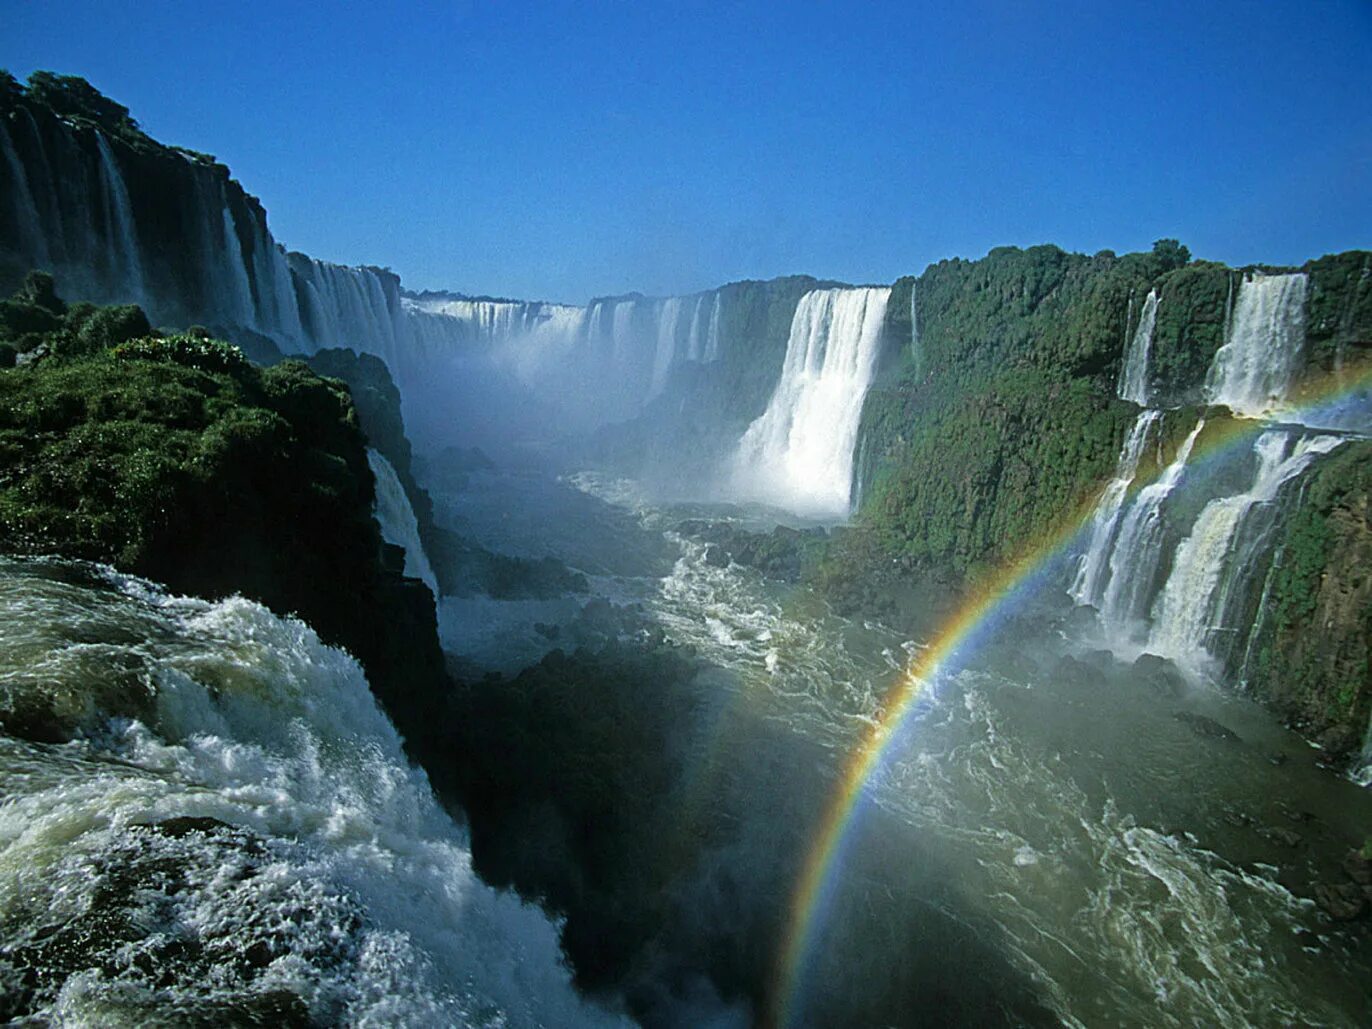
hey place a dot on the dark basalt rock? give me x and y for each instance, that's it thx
(1358, 865)
(1203, 725)
(1161, 675)
(1343, 902)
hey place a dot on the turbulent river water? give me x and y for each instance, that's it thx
(1138, 848)
(231, 835)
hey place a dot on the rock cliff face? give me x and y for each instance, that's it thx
(1312, 658)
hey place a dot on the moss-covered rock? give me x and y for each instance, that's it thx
(176, 459)
(1314, 659)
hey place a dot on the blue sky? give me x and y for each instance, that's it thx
(564, 150)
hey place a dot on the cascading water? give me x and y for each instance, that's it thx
(1253, 370)
(1203, 572)
(665, 354)
(1133, 385)
(799, 453)
(235, 288)
(27, 220)
(399, 525)
(1091, 572)
(712, 346)
(234, 834)
(120, 232)
(1138, 549)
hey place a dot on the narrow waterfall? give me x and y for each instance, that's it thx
(799, 453)
(398, 523)
(1138, 548)
(1191, 605)
(665, 354)
(26, 216)
(1091, 572)
(712, 333)
(1133, 385)
(126, 262)
(235, 288)
(1253, 370)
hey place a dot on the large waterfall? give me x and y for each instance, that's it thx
(1173, 578)
(1204, 571)
(398, 522)
(1252, 371)
(799, 453)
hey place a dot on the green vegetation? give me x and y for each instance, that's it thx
(1193, 304)
(1313, 662)
(1339, 308)
(1000, 419)
(177, 459)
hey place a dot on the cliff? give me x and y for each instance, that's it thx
(176, 459)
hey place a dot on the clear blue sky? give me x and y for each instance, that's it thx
(563, 150)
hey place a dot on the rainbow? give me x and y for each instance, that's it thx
(984, 611)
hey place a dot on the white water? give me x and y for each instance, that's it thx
(119, 226)
(399, 525)
(1252, 371)
(1189, 608)
(341, 882)
(1138, 547)
(665, 354)
(235, 287)
(1086, 588)
(1133, 384)
(799, 453)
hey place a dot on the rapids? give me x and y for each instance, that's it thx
(1137, 848)
(230, 832)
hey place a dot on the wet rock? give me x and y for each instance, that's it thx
(1341, 901)
(1282, 836)
(548, 630)
(1203, 725)
(187, 824)
(716, 557)
(1080, 621)
(1160, 675)
(1358, 866)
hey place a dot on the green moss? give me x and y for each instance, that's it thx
(1193, 304)
(1312, 660)
(1339, 307)
(176, 459)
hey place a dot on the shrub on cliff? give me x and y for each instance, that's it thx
(176, 459)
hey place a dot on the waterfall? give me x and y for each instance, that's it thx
(693, 342)
(122, 237)
(235, 287)
(399, 525)
(1192, 603)
(1086, 589)
(1138, 547)
(1253, 370)
(26, 216)
(665, 354)
(712, 334)
(799, 453)
(1133, 385)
